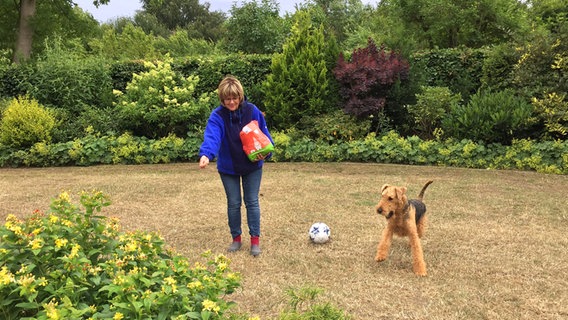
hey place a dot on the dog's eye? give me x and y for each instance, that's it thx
(390, 198)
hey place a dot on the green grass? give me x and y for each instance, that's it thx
(495, 247)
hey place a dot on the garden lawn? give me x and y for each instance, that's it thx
(495, 247)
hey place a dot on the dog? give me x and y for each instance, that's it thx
(405, 218)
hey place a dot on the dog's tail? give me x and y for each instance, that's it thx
(421, 195)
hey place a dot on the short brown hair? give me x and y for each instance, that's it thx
(229, 87)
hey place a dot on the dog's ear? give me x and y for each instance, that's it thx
(384, 187)
(401, 193)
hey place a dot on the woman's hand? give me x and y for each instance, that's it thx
(203, 162)
(260, 156)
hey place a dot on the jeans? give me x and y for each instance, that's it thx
(251, 187)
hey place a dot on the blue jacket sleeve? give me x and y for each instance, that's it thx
(212, 137)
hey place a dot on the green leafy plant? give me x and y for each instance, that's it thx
(25, 122)
(67, 79)
(74, 263)
(304, 306)
(552, 111)
(489, 117)
(432, 104)
(159, 102)
(522, 154)
(130, 44)
(335, 126)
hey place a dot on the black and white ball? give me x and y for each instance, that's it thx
(319, 232)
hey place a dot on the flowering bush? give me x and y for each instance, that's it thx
(70, 264)
(159, 102)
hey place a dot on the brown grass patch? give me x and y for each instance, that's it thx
(495, 247)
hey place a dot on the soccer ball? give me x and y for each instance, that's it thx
(319, 232)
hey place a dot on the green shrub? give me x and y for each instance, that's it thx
(552, 111)
(159, 102)
(25, 122)
(13, 78)
(497, 71)
(546, 157)
(73, 263)
(122, 72)
(459, 69)
(93, 149)
(69, 80)
(301, 83)
(131, 43)
(335, 126)
(489, 117)
(180, 44)
(432, 105)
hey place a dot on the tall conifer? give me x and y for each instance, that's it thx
(301, 83)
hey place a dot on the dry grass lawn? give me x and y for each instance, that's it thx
(495, 247)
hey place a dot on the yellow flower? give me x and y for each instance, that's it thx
(67, 223)
(118, 316)
(222, 266)
(26, 280)
(23, 269)
(64, 196)
(42, 282)
(53, 218)
(59, 243)
(195, 285)
(51, 310)
(36, 243)
(118, 280)
(211, 306)
(170, 281)
(131, 246)
(95, 270)
(74, 251)
(12, 219)
(6, 277)
(233, 276)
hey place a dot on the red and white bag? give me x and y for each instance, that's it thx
(255, 142)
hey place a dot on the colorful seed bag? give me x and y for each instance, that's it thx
(255, 142)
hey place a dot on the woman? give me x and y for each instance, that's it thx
(222, 141)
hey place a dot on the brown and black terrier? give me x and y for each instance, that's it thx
(405, 218)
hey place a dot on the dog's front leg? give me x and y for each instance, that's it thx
(384, 245)
(418, 264)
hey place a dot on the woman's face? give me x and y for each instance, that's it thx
(231, 103)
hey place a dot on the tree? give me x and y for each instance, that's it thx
(301, 85)
(189, 15)
(449, 23)
(256, 28)
(26, 30)
(543, 68)
(340, 17)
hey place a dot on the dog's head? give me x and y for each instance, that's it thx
(393, 199)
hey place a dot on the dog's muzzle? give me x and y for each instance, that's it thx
(380, 211)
